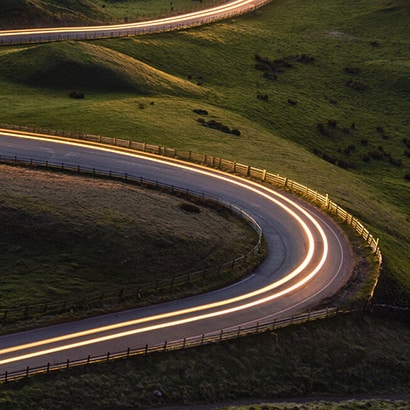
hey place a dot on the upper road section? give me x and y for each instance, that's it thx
(196, 18)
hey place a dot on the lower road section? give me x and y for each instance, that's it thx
(308, 261)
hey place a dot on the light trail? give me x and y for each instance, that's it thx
(256, 188)
(218, 10)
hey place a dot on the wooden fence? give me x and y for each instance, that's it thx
(180, 344)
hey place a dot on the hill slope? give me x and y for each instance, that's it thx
(36, 13)
(87, 66)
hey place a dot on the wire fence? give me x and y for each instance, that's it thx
(180, 344)
(143, 293)
(128, 29)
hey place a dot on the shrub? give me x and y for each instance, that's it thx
(269, 75)
(188, 207)
(407, 176)
(292, 102)
(356, 85)
(263, 97)
(236, 132)
(76, 94)
(200, 112)
(352, 70)
(376, 154)
(364, 141)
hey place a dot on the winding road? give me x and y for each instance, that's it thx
(224, 11)
(308, 261)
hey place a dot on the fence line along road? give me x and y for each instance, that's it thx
(13, 313)
(207, 16)
(180, 344)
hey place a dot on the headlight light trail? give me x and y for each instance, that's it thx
(222, 307)
(224, 8)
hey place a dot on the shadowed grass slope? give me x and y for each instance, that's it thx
(88, 66)
(41, 13)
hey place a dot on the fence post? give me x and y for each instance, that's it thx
(68, 363)
(165, 346)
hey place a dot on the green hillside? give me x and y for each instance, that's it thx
(318, 90)
(87, 66)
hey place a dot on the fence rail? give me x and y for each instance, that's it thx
(8, 314)
(179, 344)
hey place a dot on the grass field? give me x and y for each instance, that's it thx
(327, 106)
(352, 143)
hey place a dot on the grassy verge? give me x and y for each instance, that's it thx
(343, 356)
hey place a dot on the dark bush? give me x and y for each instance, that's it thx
(332, 123)
(376, 154)
(201, 120)
(292, 102)
(236, 132)
(263, 97)
(77, 95)
(364, 141)
(261, 66)
(395, 162)
(379, 129)
(356, 85)
(366, 157)
(407, 176)
(407, 153)
(188, 207)
(269, 75)
(352, 70)
(200, 112)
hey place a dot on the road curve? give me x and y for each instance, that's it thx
(308, 261)
(221, 12)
